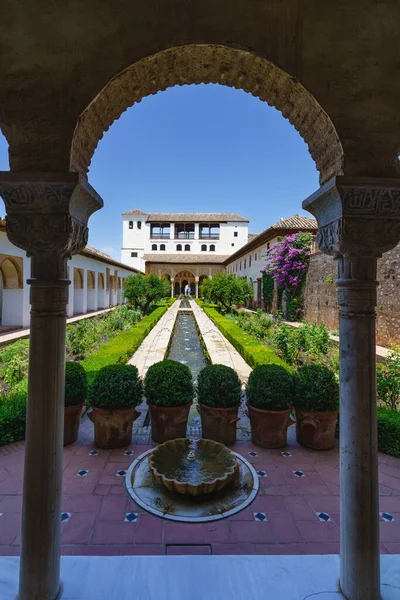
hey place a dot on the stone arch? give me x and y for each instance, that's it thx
(78, 279)
(100, 281)
(11, 273)
(206, 63)
(91, 280)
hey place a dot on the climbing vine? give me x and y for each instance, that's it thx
(287, 263)
(267, 290)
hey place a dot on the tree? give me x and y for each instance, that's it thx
(144, 290)
(226, 290)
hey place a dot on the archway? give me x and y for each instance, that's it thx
(182, 279)
(12, 291)
(100, 291)
(199, 63)
(78, 291)
(91, 291)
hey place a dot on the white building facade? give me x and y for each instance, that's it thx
(249, 260)
(96, 283)
(145, 236)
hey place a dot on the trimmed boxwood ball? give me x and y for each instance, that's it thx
(116, 387)
(270, 387)
(169, 383)
(219, 386)
(316, 389)
(75, 384)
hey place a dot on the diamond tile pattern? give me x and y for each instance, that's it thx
(131, 517)
(387, 517)
(298, 474)
(65, 517)
(323, 517)
(128, 453)
(262, 473)
(99, 518)
(260, 516)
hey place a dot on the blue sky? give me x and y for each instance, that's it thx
(204, 148)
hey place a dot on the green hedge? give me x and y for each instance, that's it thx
(117, 350)
(253, 352)
(389, 431)
(13, 414)
(120, 348)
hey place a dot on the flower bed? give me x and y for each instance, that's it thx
(117, 350)
(250, 348)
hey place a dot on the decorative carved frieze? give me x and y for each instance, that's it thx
(48, 212)
(357, 217)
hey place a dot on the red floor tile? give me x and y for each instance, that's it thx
(149, 530)
(254, 532)
(184, 533)
(318, 532)
(113, 533)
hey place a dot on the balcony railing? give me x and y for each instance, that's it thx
(160, 236)
(184, 235)
(209, 236)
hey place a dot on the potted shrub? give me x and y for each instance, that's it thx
(169, 391)
(114, 394)
(75, 397)
(219, 394)
(269, 404)
(316, 403)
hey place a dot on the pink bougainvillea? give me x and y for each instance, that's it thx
(287, 262)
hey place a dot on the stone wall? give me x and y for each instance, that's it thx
(321, 300)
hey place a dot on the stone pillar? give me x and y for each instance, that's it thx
(172, 287)
(197, 286)
(358, 220)
(47, 216)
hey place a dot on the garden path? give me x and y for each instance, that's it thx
(218, 347)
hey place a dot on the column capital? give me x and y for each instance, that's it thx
(356, 216)
(48, 212)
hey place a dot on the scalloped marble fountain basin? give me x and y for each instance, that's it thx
(212, 467)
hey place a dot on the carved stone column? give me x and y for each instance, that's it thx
(358, 220)
(47, 215)
(172, 287)
(197, 286)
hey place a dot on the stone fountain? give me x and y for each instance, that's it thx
(193, 481)
(193, 467)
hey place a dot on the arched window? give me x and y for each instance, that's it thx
(130, 224)
(212, 248)
(187, 247)
(154, 246)
(179, 247)
(139, 224)
(203, 248)
(162, 246)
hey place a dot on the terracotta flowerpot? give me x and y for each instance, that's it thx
(316, 429)
(112, 428)
(72, 420)
(168, 423)
(269, 427)
(219, 424)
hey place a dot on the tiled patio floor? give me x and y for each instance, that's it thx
(294, 513)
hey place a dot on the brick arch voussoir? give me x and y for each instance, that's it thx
(195, 64)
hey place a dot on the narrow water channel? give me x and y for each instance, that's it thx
(185, 346)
